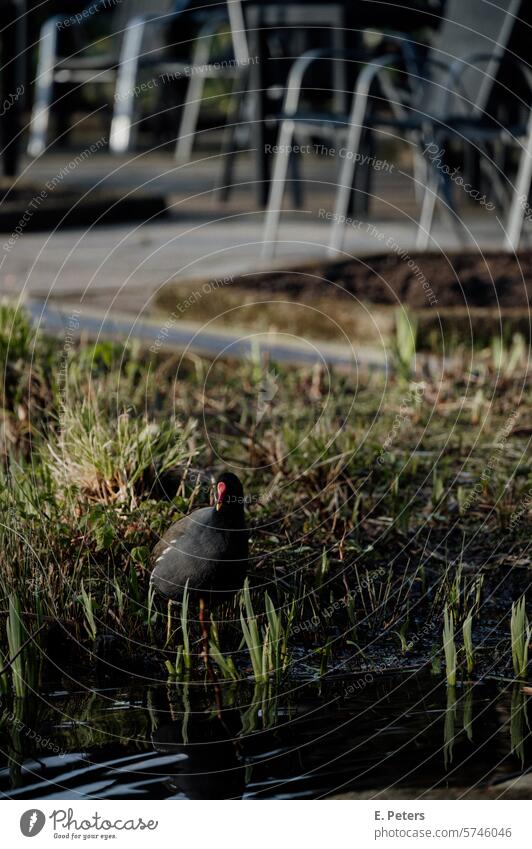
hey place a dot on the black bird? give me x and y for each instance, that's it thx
(208, 548)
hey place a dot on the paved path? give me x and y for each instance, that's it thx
(213, 342)
(119, 268)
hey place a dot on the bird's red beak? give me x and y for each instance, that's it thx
(221, 495)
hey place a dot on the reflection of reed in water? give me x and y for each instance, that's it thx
(262, 710)
(208, 741)
(450, 732)
(83, 722)
(518, 723)
(468, 712)
(449, 727)
(207, 761)
(15, 723)
(91, 722)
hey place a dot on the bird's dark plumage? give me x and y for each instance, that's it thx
(208, 548)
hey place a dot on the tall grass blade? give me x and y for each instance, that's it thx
(187, 658)
(449, 647)
(88, 609)
(468, 642)
(521, 633)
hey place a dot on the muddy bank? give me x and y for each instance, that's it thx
(463, 299)
(455, 280)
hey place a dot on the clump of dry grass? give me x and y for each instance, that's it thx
(116, 460)
(25, 392)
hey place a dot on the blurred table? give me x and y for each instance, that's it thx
(263, 17)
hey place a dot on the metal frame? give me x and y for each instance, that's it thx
(417, 124)
(422, 130)
(436, 186)
(263, 17)
(51, 68)
(519, 203)
(352, 123)
(130, 65)
(40, 116)
(122, 124)
(123, 70)
(478, 134)
(189, 120)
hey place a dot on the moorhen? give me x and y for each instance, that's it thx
(208, 548)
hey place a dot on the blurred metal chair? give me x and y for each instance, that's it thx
(489, 137)
(203, 66)
(334, 125)
(232, 68)
(447, 90)
(92, 60)
(461, 104)
(277, 31)
(135, 41)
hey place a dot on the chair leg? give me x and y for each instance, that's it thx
(189, 121)
(345, 187)
(295, 180)
(357, 124)
(124, 103)
(490, 167)
(347, 171)
(436, 188)
(278, 181)
(426, 218)
(360, 192)
(236, 119)
(228, 154)
(520, 198)
(44, 84)
(420, 171)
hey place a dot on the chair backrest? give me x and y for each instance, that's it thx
(469, 27)
(126, 10)
(113, 16)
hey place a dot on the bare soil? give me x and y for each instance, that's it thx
(458, 298)
(457, 280)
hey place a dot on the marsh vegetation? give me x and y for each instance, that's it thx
(379, 504)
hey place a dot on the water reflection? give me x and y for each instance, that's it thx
(519, 727)
(468, 712)
(449, 726)
(209, 745)
(200, 742)
(207, 763)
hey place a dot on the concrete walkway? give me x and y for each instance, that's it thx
(184, 336)
(119, 268)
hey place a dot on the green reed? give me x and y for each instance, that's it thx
(521, 633)
(468, 642)
(449, 647)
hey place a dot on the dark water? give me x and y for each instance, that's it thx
(184, 742)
